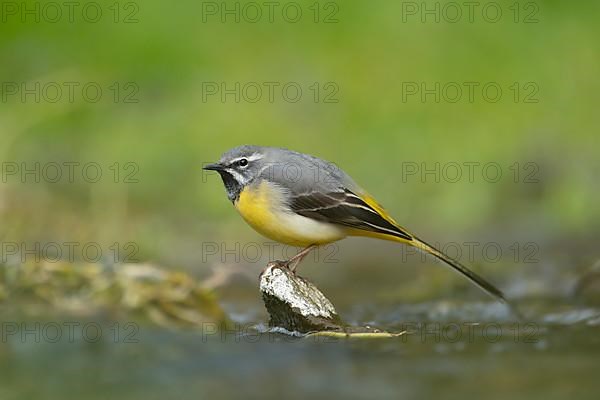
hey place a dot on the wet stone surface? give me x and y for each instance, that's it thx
(295, 304)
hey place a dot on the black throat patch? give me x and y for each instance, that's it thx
(232, 186)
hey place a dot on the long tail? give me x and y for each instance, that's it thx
(472, 276)
(370, 219)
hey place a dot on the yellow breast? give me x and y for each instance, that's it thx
(263, 207)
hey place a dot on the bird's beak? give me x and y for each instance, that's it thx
(213, 167)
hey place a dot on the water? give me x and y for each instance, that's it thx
(553, 355)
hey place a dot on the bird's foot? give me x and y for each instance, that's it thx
(290, 264)
(275, 264)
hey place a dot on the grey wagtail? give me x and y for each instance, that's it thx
(301, 200)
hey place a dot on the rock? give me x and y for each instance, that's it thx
(294, 303)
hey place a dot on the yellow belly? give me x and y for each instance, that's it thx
(261, 206)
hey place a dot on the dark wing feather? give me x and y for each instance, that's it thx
(344, 208)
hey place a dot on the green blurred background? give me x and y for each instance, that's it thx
(170, 54)
(173, 51)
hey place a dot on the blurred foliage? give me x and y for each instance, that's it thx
(168, 299)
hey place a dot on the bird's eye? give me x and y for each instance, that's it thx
(243, 163)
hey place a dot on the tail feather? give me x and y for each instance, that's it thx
(472, 276)
(380, 228)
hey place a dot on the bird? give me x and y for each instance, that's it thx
(301, 200)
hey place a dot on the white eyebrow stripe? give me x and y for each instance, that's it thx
(253, 157)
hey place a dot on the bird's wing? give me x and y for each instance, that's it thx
(326, 193)
(363, 213)
(346, 208)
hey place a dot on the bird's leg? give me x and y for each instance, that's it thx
(293, 262)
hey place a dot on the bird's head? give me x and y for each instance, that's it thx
(238, 167)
